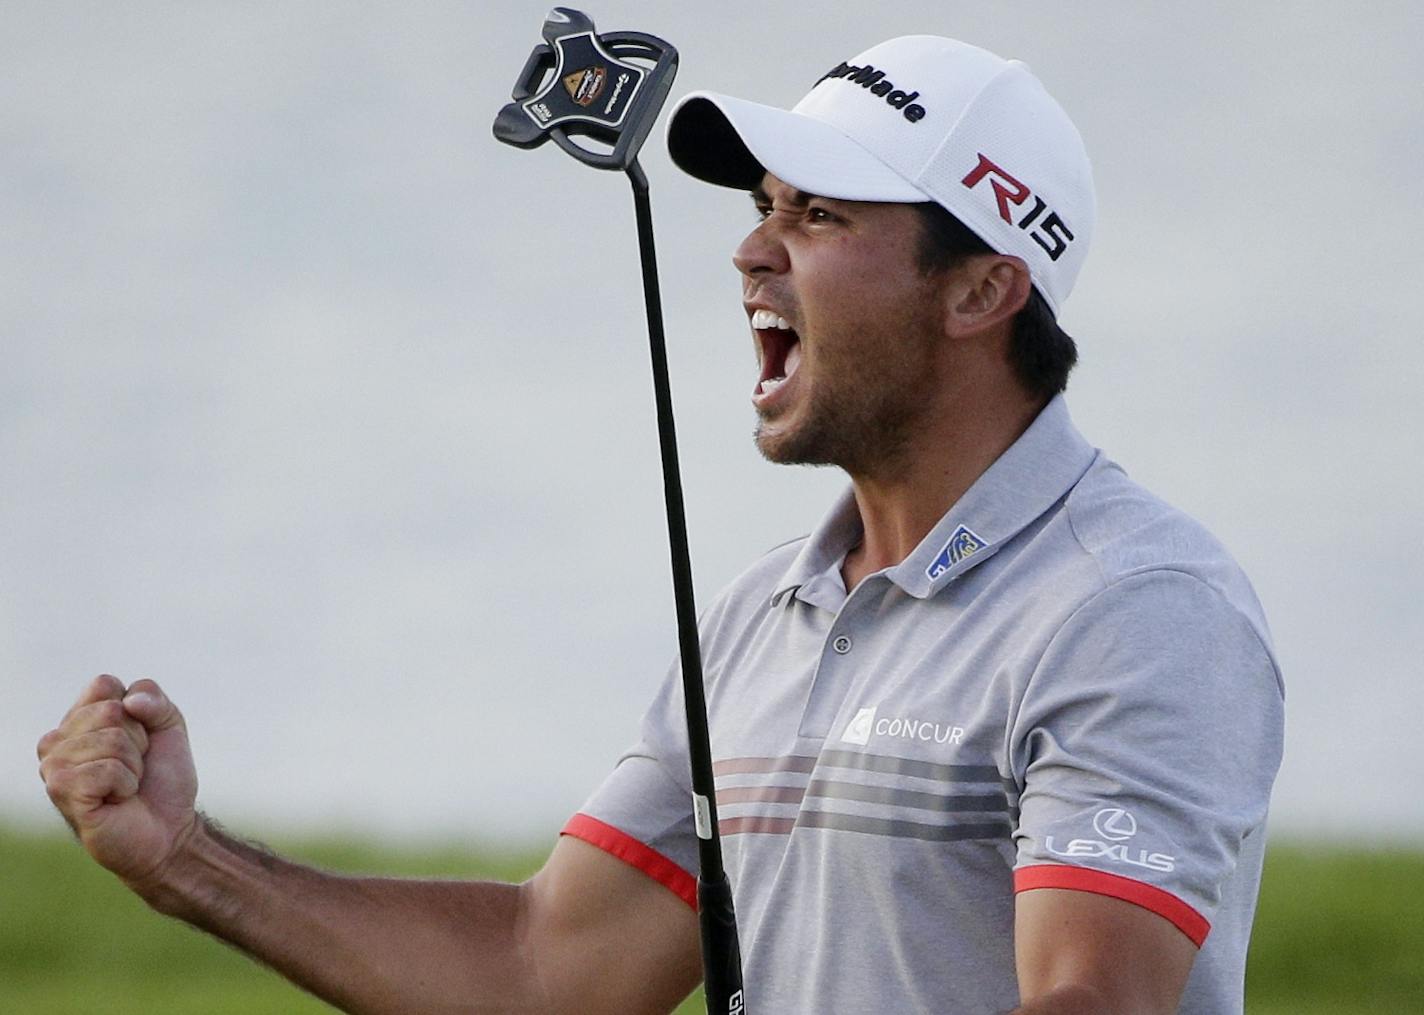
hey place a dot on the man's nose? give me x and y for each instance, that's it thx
(761, 251)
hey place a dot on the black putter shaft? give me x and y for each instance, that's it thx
(721, 950)
(580, 84)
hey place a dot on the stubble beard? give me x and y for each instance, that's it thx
(858, 438)
(864, 427)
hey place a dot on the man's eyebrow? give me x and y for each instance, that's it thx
(797, 198)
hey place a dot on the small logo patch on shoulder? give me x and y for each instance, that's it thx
(964, 543)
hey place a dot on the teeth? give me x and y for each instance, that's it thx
(771, 384)
(768, 319)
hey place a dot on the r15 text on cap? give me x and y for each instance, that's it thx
(877, 84)
(1008, 190)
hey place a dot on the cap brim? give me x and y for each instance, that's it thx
(734, 143)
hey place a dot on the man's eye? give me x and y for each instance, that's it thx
(762, 211)
(817, 214)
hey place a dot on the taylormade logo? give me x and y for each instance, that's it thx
(865, 725)
(877, 83)
(617, 91)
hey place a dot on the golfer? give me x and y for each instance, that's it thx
(998, 735)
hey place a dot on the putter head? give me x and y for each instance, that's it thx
(579, 84)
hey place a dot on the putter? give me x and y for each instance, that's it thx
(578, 84)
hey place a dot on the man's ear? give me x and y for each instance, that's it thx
(986, 291)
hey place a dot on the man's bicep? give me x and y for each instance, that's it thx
(604, 936)
(1115, 955)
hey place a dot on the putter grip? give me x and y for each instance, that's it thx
(721, 952)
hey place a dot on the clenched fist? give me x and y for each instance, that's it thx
(119, 769)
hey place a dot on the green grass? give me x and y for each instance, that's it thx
(73, 941)
(1338, 932)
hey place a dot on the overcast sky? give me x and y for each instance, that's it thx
(334, 415)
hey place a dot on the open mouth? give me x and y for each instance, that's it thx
(780, 350)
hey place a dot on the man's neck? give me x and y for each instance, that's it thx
(902, 502)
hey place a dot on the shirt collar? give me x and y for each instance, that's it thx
(1024, 482)
(815, 574)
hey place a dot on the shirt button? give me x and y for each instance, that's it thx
(841, 645)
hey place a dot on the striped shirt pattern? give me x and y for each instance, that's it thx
(874, 794)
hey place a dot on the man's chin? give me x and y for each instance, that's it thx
(788, 448)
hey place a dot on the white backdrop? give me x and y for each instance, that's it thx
(334, 415)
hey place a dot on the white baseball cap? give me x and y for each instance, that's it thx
(918, 118)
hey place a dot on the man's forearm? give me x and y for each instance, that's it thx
(367, 945)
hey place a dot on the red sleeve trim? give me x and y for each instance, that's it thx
(618, 843)
(1149, 897)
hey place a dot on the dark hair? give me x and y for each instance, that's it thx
(1040, 352)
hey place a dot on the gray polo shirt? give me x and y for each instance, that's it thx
(1068, 684)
